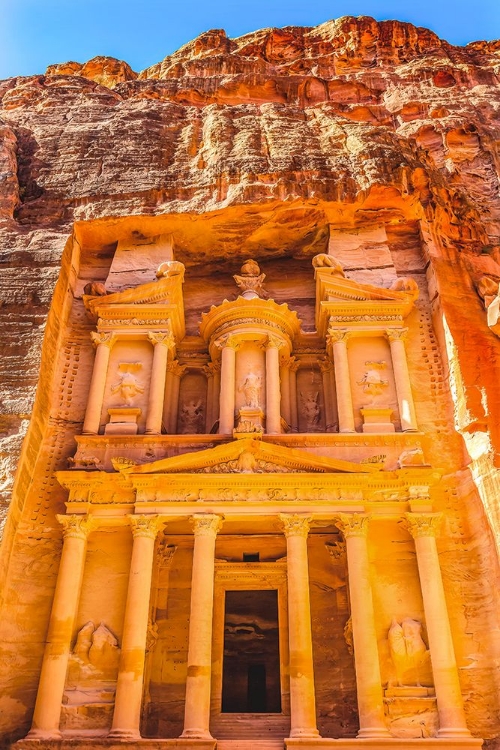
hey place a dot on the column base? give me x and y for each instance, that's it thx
(453, 732)
(44, 734)
(196, 734)
(307, 733)
(124, 734)
(375, 733)
(348, 430)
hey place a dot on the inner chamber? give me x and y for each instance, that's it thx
(251, 666)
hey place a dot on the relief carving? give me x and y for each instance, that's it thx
(310, 410)
(408, 650)
(128, 386)
(251, 388)
(95, 656)
(323, 260)
(250, 280)
(372, 381)
(192, 417)
(170, 268)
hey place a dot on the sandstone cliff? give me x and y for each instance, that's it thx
(259, 145)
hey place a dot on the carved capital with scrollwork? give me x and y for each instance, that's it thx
(230, 341)
(295, 525)
(161, 338)
(176, 369)
(77, 527)
(206, 524)
(396, 334)
(337, 335)
(274, 342)
(103, 339)
(146, 526)
(325, 365)
(336, 550)
(353, 524)
(211, 369)
(423, 524)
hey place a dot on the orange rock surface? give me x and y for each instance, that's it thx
(375, 142)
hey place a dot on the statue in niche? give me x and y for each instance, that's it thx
(372, 381)
(128, 386)
(310, 409)
(191, 417)
(96, 654)
(407, 649)
(251, 390)
(250, 280)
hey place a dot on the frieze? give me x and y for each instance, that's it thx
(358, 318)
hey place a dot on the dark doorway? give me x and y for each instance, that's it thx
(251, 667)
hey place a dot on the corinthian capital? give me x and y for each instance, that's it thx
(274, 342)
(353, 524)
(164, 339)
(325, 365)
(423, 524)
(147, 526)
(77, 527)
(228, 341)
(206, 524)
(107, 339)
(176, 369)
(396, 334)
(295, 525)
(334, 335)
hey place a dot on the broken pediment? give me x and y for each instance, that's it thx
(248, 456)
(347, 301)
(148, 304)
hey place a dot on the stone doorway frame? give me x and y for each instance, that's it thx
(256, 576)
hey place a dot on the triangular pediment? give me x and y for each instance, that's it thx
(249, 456)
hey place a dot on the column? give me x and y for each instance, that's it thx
(326, 367)
(216, 401)
(406, 406)
(338, 341)
(127, 712)
(229, 346)
(354, 527)
(103, 343)
(285, 389)
(208, 371)
(61, 625)
(162, 343)
(174, 373)
(302, 696)
(199, 666)
(294, 414)
(423, 527)
(273, 395)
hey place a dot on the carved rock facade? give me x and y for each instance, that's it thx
(266, 342)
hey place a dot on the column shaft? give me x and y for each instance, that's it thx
(157, 384)
(210, 401)
(338, 340)
(285, 392)
(366, 658)
(199, 667)
(402, 380)
(273, 397)
(227, 390)
(61, 625)
(127, 712)
(173, 396)
(326, 366)
(104, 343)
(302, 693)
(294, 414)
(452, 721)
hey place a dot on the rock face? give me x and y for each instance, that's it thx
(375, 143)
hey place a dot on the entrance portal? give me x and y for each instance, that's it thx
(251, 665)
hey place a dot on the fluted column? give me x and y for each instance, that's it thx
(423, 527)
(127, 712)
(302, 694)
(326, 367)
(199, 666)
(229, 346)
(47, 713)
(285, 389)
(103, 343)
(294, 414)
(354, 527)
(273, 392)
(338, 341)
(162, 343)
(406, 406)
(174, 373)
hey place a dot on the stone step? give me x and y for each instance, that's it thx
(250, 744)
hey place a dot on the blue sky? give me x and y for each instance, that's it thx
(36, 33)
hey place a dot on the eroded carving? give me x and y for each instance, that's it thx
(128, 385)
(192, 416)
(323, 260)
(408, 650)
(372, 382)
(251, 388)
(250, 280)
(310, 409)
